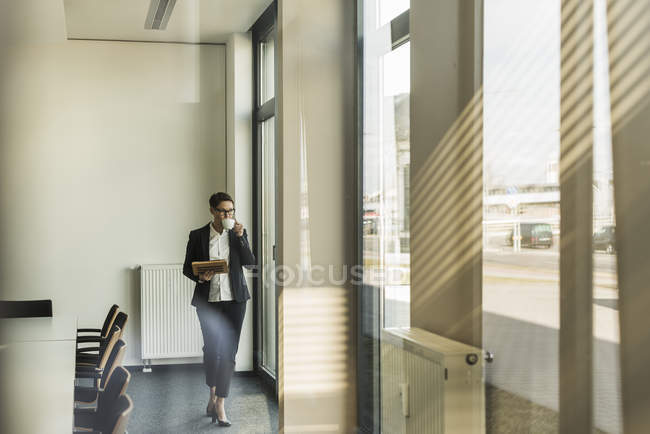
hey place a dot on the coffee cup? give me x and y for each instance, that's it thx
(228, 223)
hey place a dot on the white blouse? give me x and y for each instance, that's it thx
(219, 249)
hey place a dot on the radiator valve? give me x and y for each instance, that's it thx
(404, 394)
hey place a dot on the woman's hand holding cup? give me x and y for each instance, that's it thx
(239, 229)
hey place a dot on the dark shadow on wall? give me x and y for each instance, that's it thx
(132, 285)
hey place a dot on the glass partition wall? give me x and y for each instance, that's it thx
(536, 86)
(521, 214)
(530, 97)
(607, 405)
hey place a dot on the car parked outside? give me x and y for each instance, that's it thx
(533, 234)
(605, 239)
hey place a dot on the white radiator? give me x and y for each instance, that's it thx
(430, 384)
(169, 325)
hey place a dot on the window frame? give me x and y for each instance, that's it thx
(265, 28)
(400, 35)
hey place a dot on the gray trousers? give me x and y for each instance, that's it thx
(221, 324)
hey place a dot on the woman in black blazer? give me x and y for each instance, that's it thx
(220, 299)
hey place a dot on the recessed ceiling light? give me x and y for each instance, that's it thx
(159, 13)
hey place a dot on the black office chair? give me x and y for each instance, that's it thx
(25, 308)
(98, 359)
(108, 323)
(113, 419)
(116, 386)
(120, 321)
(100, 376)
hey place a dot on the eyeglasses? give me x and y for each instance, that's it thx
(226, 211)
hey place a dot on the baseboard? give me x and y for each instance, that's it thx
(184, 366)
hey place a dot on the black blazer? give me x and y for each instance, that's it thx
(198, 247)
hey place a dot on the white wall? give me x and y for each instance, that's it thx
(109, 153)
(239, 79)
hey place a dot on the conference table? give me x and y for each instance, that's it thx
(37, 372)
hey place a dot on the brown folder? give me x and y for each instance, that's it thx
(219, 266)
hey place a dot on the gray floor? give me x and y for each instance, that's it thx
(507, 413)
(172, 399)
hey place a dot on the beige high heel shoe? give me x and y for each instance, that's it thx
(222, 422)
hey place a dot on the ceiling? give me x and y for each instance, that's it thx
(191, 21)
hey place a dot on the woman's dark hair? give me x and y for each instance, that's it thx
(219, 197)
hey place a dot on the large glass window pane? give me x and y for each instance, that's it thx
(385, 295)
(607, 375)
(386, 181)
(521, 292)
(389, 9)
(268, 244)
(267, 71)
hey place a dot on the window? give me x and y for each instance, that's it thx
(539, 295)
(390, 9)
(384, 81)
(607, 404)
(386, 150)
(267, 72)
(521, 146)
(265, 168)
(521, 274)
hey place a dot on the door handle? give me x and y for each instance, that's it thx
(489, 357)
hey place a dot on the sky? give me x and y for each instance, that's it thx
(521, 84)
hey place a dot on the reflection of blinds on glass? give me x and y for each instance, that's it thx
(305, 235)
